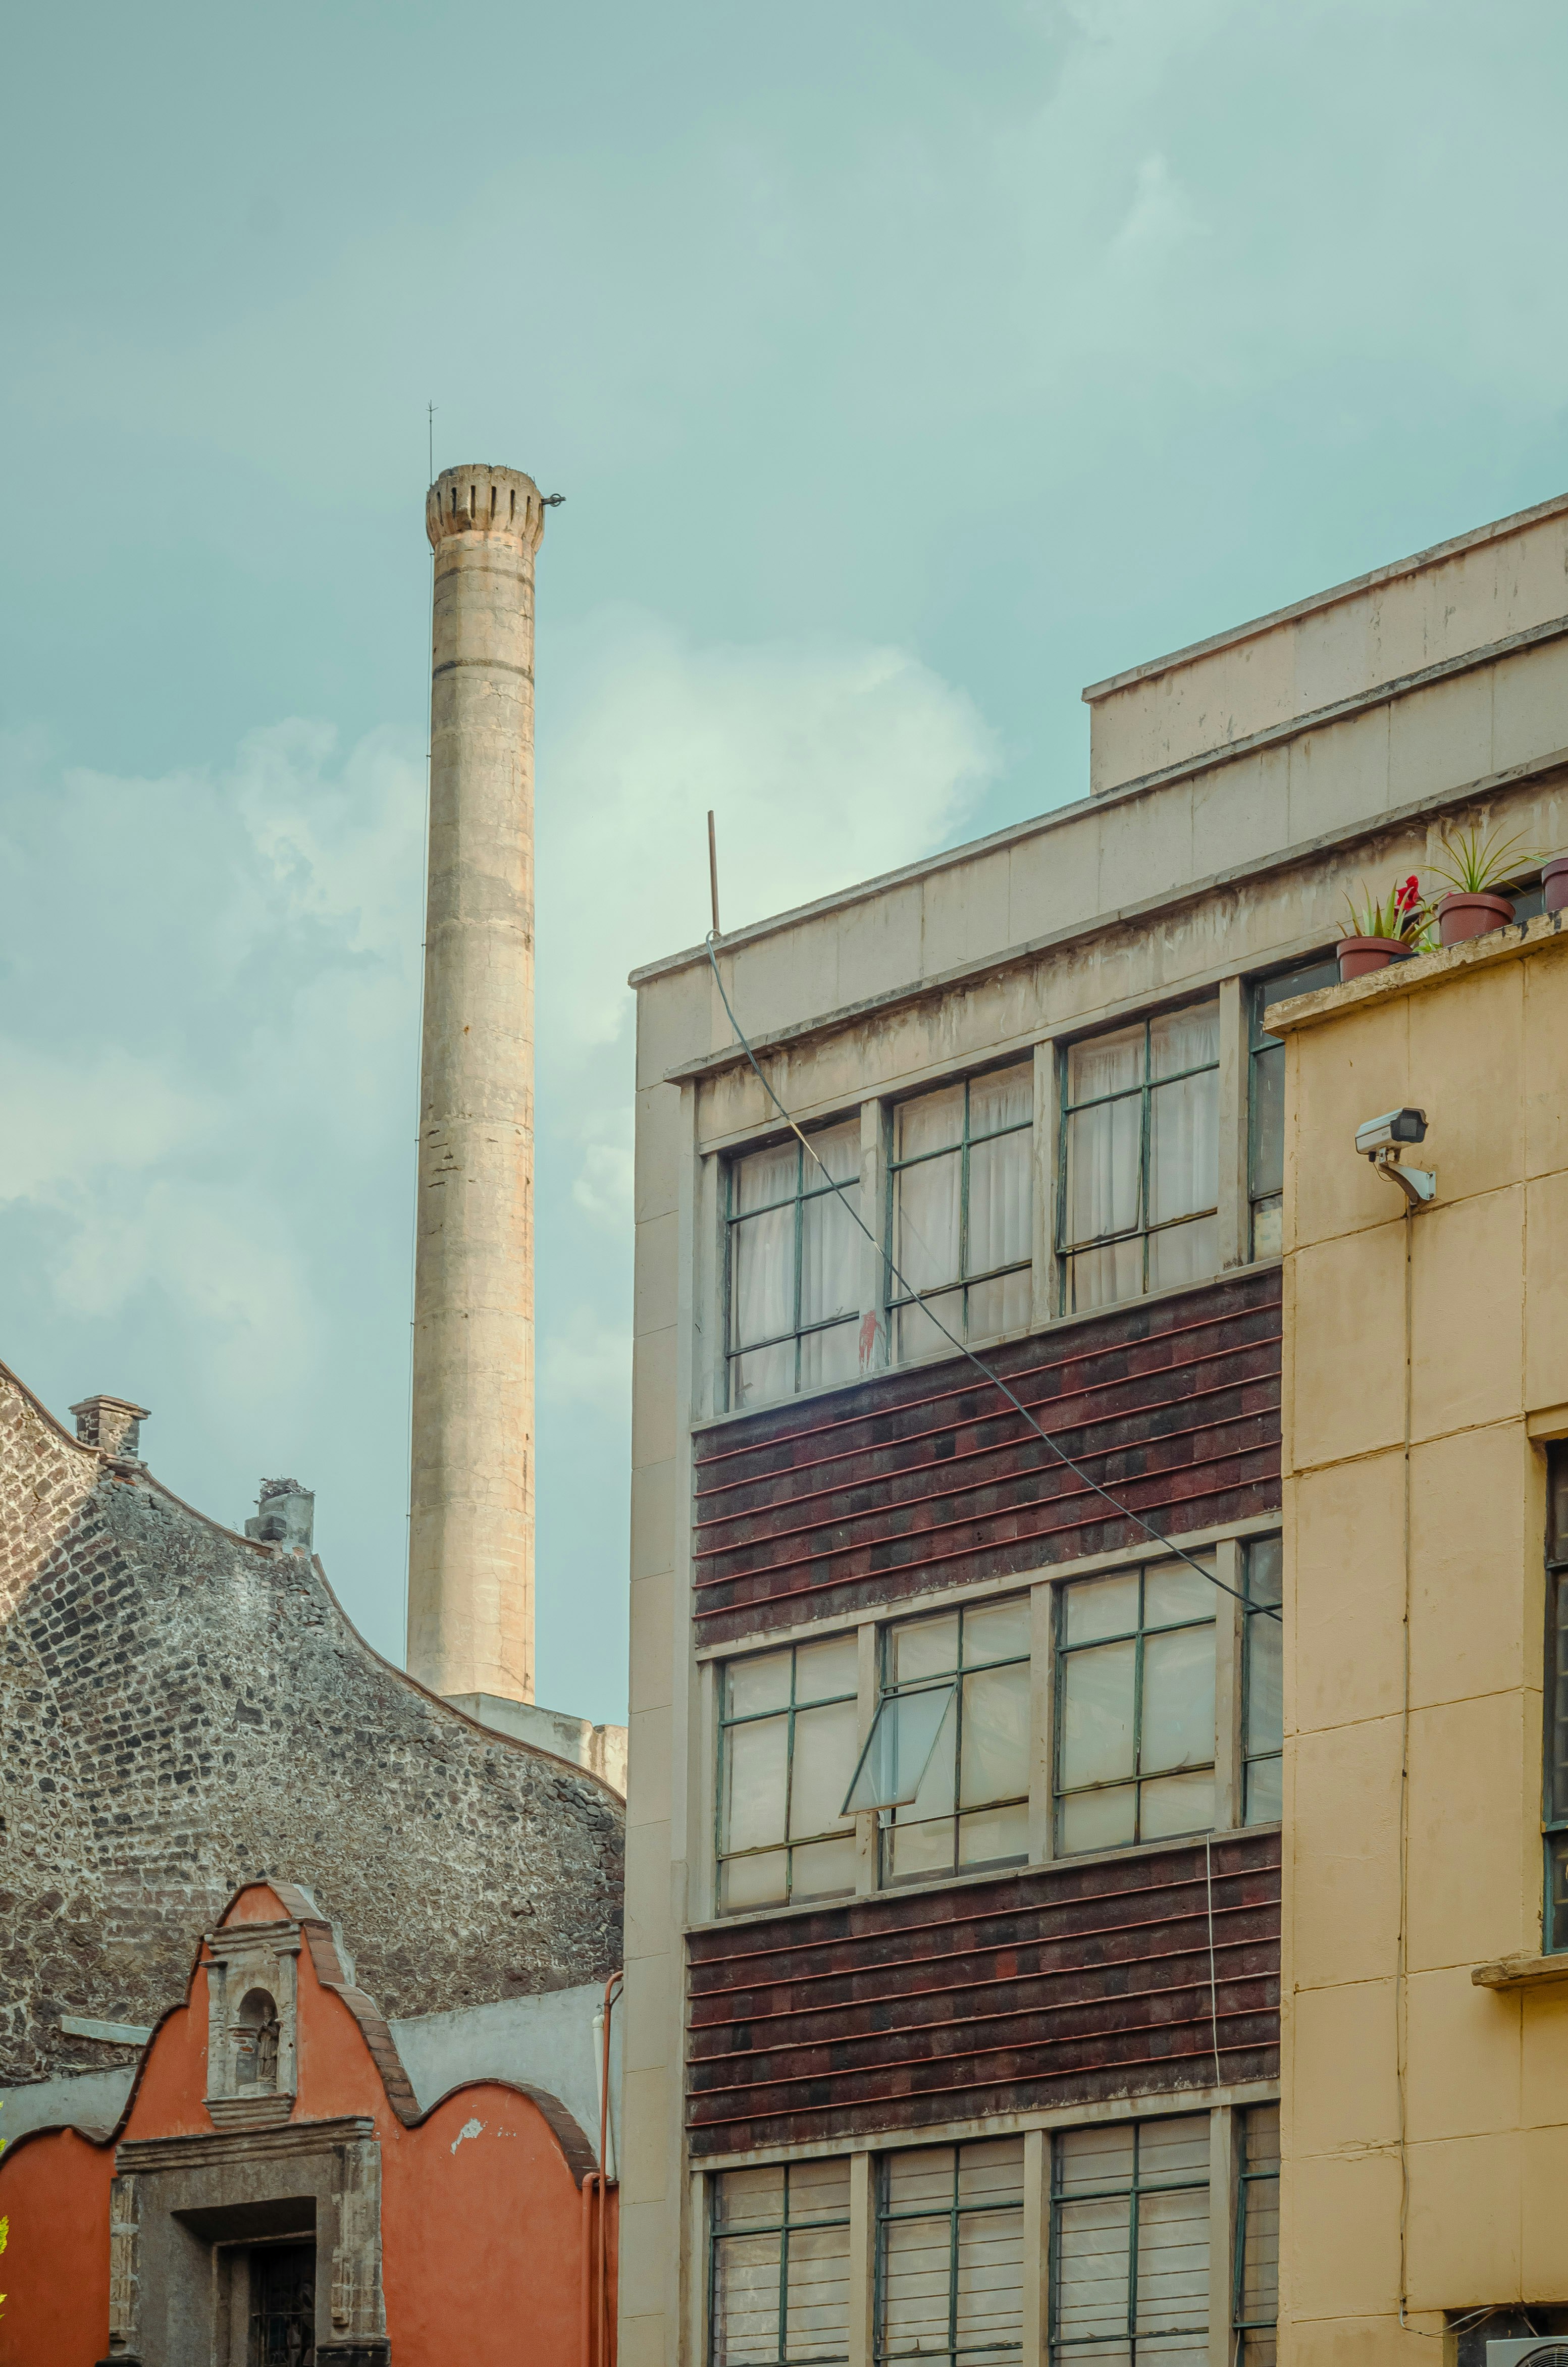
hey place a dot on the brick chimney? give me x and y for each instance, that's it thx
(113, 1425)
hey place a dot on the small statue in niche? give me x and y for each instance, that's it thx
(256, 2041)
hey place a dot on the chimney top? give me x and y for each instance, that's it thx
(285, 1515)
(483, 499)
(113, 1425)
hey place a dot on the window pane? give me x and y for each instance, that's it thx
(1173, 2267)
(903, 1739)
(998, 1202)
(1098, 1607)
(828, 1670)
(826, 1744)
(930, 1122)
(746, 2300)
(925, 1236)
(751, 2198)
(994, 1835)
(1000, 1632)
(1088, 2160)
(995, 1735)
(1557, 1491)
(918, 1335)
(838, 1147)
(1005, 1098)
(1093, 2262)
(822, 1870)
(1103, 1153)
(1264, 1790)
(1257, 2295)
(819, 2189)
(1264, 1678)
(1169, 2150)
(763, 1375)
(1105, 1064)
(1178, 1699)
(1557, 1704)
(925, 1647)
(1005, 1305)
(1557, 1893)
(1099, 1820)
(1268, 1228)
(1105, 1277)
(755, 1767)
(1096, 1715)
(1265, 1570)
(751, 1686)
(762, 1297)
(1174, 1591)
(1184, 1147)
(1176, 1804)
(989, 2279)
(915, 1852)
(816, 2299)
(830, 1356)
(1184, 1253)
(1185, 1039)
(764, 1177)
(1268, 1120)
(933, 1795)
(830, 1257)
(916, 2263)
(755, 1881)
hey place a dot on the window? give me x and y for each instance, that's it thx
(1141, 1158)
(1129, 2243)
(1135, 1707)
(1263, 1709)
(780, 2266)
(785, 1754)
(951, 2253)
(1256, 2306)
(1265, 1102)
(961, 1210)
(947, 1761)
(794, 1267)
(1556, 1704)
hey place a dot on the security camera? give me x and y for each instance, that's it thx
(1394, 1126)
(1382, 1139)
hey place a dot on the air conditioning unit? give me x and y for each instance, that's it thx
(1535, 2350)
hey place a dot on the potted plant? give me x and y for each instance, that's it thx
(1473, 865)
(1382, 930)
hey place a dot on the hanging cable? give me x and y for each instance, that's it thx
(1124, 1512)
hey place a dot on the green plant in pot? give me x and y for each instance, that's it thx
(1474, 865)
(1382, 929)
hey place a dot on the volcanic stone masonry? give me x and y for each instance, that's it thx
(183, 1710)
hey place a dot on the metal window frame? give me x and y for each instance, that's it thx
(887, 1690)
(725, 1724)
(1260, 1044)
(1056, 2354)
(734, 1219)
(1251, 1613)
(1245, 2180)
(1554, 1825)
(894, 1301)
(719, 2235)
(956, 2212)
(1143, 1091)
(1062, 1652)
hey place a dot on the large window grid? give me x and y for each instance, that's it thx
(959, 1208)
(1554, 1807)
(1138, 1198)
(949, 2273)
(792, 1265)
(778, 2266)
(1262, 1672)
(1265, 1101)
(787, 1747)
(1135, 1693)
(972, 1805)
(1254, 2305)
(1129, 2243)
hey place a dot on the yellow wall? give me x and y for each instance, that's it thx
(1436, 1635)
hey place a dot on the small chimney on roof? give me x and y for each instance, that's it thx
(285, 1515)
(113, 1425)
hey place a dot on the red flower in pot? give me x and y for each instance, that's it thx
(1382, 929)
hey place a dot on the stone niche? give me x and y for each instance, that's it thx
(252, 1992)
(246, 2244)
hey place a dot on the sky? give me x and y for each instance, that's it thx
(905, 367)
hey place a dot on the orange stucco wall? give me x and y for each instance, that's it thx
(481, 2214)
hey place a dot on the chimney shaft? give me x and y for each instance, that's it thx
(113, 1425)
(471, 1568)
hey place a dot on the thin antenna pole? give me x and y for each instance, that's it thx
(430, 422)
(713, 869)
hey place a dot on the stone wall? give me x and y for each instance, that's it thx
(183, 1710)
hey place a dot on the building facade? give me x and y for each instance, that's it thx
(1426, 2080)
(955, 1816)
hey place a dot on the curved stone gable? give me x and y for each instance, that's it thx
(183, 1710)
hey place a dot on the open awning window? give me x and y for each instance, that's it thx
(898, 1748)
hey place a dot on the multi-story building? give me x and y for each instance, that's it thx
(953, 1908)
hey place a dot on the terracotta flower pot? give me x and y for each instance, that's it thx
(1555, 880)
(1360, 955)
(1460, 917)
